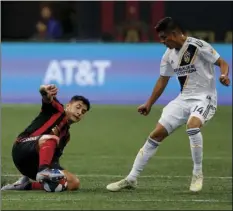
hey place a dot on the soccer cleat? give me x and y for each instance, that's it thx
(197, 182)
(20, 184)
(49, 175)
(122, 184)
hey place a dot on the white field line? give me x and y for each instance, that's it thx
(121, 176)
(156, 157)
(120, 200)
(133, 157)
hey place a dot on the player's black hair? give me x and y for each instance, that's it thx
(167, 24)
(83, 99)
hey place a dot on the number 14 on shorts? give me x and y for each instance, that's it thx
(198, 109)
(204, 111)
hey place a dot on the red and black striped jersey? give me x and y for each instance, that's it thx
(51, 120)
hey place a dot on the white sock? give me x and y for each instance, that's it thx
(196, 145)
(144, 154)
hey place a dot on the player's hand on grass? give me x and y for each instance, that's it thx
(224, 80)
(144, 109)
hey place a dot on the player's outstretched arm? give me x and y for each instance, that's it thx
(157, 91)
(224, 68)
(48, 92)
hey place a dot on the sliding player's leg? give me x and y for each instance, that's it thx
(46, 149)
(29, 155)
(24, 183)
(201, 111)
(21, 184)
(174, 115)
(26, 159)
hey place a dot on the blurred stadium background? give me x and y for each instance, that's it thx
(109, 52)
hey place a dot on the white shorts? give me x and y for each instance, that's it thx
(178, 111)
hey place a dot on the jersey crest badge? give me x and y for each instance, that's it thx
(56, 131)
(187, 57)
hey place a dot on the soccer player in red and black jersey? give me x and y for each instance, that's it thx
(38, 148)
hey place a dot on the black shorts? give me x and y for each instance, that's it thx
(26, 157)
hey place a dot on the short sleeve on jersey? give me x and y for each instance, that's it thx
(165, 66)
(54, 106)
(209, 53)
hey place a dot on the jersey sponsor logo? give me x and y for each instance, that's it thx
(35, 138)
(185, 70)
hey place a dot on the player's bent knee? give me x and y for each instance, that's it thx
(194, 122)
(159, 133)
(45, 138)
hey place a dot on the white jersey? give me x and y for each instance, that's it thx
(194, 66)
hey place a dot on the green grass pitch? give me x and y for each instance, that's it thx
(102, 150)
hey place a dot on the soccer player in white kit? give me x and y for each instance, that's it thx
(192, 60)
